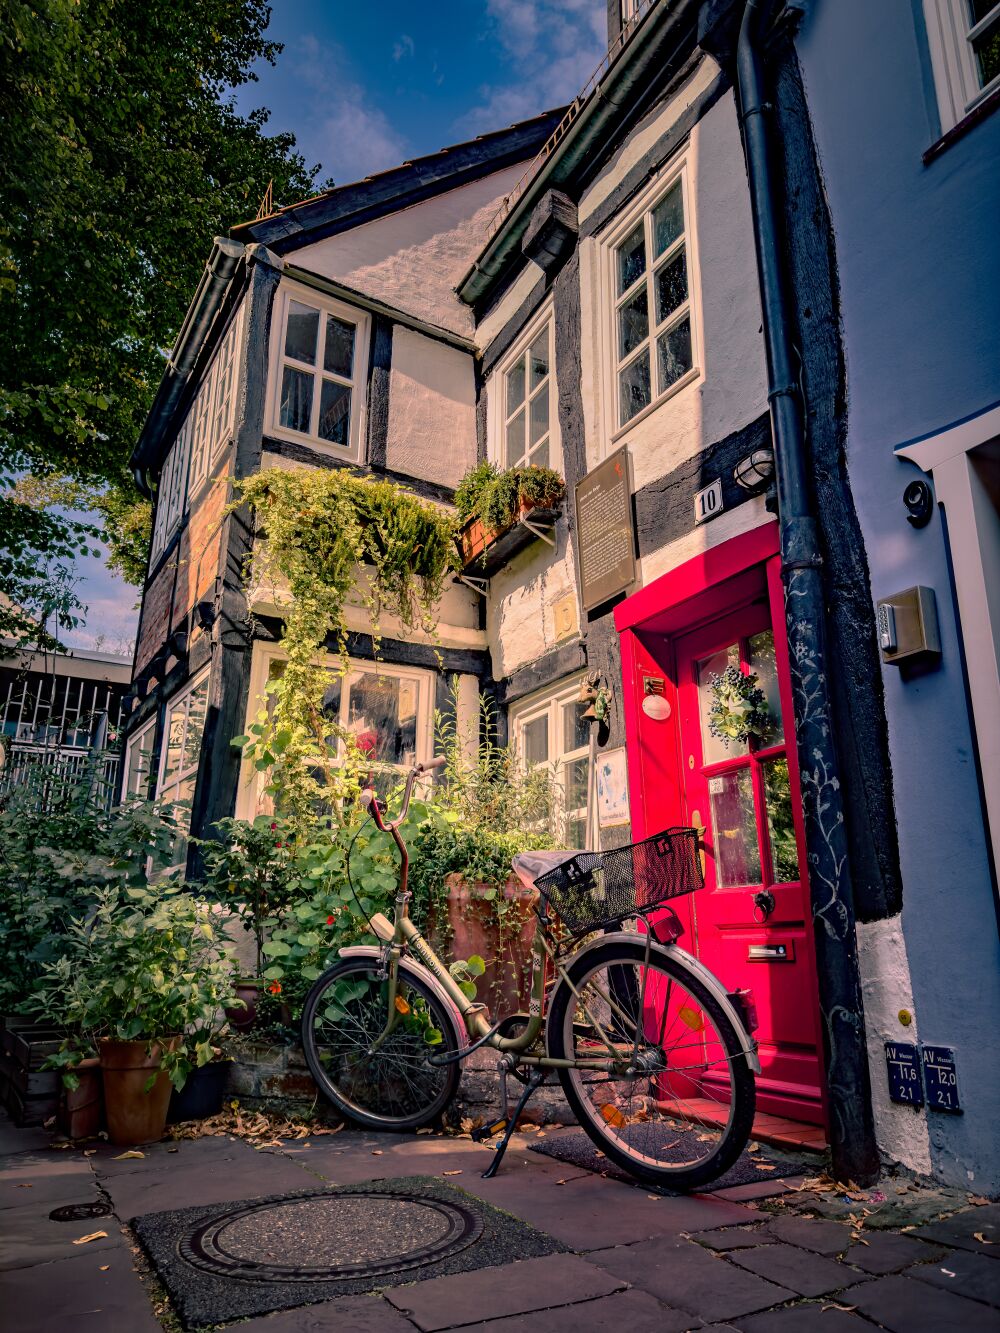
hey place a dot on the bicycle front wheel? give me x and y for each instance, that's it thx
(661, 1083)
(373, 1063)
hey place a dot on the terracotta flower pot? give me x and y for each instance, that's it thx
(248, 990)
(134, 1115)
(505, 984)
(81, 1109)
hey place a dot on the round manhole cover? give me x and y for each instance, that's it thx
(323, 1237)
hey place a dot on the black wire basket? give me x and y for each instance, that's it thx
(595, 889)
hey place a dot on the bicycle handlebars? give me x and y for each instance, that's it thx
(370, 800)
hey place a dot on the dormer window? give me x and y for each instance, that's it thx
(318, 372)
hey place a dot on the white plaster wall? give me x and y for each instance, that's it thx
(515, 295)
(520, 615)
(885, 984)
(413, 259)
(432, 409)
(701, 538)
(731, 389)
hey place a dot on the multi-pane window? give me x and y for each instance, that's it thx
(172, 491)
(182, 735)
(964, 40)
(552, 731)
(528, 406)
(652, 313)
(319, 370)
(138, 761)
(211, 418)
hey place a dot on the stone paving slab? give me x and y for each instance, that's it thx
(904, 1306)
(137, 1192)
(29, 1178)
(959, 1230)
(888, 1252)
(628, 1312)
(966, 1274)
(350, 1314)
(822, 1237)
(685, 1276)
(800, 1271)
(533, 1285)
(109, 1160)
(29, 1238)
(733, 1238)
(75, 1294)
(804, 1319)
(14, 1140)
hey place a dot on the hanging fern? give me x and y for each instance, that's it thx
(330, 537)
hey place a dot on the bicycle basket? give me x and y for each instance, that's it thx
(595, 889)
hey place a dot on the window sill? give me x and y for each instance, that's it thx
(978, 113)
(343, 452)
(618, 436)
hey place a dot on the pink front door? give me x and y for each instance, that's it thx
(751, 923)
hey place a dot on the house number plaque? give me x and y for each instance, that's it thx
(605, 546)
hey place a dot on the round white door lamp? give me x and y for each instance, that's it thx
(656, 707)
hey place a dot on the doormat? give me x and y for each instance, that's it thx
(576, 1149)
(231, 1261)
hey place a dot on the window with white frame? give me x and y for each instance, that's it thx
(318, 371)
(138, 761)
(388, 710)
(551, 730)
(653, 338)
(171, 492)
(212, 414)
(181, 750)
(524, 426)
(964, 41)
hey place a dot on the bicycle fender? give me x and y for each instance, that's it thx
(708, 979)
(425, 975)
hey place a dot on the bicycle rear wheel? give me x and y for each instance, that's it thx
(380, 1081)
(675, 1106)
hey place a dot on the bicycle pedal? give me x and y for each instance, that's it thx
(487, 1131)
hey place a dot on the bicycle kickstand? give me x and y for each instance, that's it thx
(534, 1082)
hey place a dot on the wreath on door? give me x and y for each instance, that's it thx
(739, 706)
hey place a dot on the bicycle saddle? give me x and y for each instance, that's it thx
(529, 866)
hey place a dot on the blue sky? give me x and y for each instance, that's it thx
(364, 86)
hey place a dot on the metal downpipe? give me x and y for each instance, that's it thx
(852, 1135)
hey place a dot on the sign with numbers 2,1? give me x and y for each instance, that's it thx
(902, 1063)
(941, 1079)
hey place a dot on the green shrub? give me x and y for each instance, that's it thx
(494, 496)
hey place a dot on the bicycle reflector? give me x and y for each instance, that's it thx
(745, 1005)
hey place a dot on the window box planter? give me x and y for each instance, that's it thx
(482, 551)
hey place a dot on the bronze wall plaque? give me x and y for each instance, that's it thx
(605, 538)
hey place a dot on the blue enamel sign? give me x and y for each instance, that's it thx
(902, 1063)
(941, 1079)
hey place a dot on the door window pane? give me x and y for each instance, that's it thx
(668, 220)
(674, 354)
(338, 355)
(632, 259)
(535, 741)
(634, 387)
(780, 826)
(734, 829)
(334, 412)
(301, 332)
(763, 663)
(713, 749)
(296, 399)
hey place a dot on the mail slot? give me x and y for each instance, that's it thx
(771, 953)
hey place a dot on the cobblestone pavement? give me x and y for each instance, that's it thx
(756, 1258)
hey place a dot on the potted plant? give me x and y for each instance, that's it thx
(140, 983)
(490, 501)
(249, 871)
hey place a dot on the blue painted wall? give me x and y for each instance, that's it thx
(919, 267)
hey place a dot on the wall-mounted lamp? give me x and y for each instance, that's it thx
(756, 470)
(204, 615)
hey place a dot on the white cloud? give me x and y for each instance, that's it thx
(551, 47)
(405, 46)
(343, 129)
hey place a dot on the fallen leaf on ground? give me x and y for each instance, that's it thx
(94, 1235)
(451, 1173)
(765, 1166)
(128, 1156)
(24, 1186)
(753, 1147)
(105, 1267)
(947, 1272)
(977, 1199)
(563, 1181)
(981, 1238)
(89, 1152)
(376, 1152)
(425, 1131)
(654, 1197)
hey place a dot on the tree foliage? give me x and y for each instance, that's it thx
(124, 153)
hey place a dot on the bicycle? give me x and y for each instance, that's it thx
(655, 1057)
